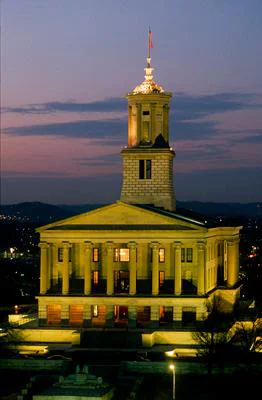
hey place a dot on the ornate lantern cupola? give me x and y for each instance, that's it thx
(148, 158)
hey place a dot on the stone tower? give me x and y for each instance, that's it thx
(148, 158)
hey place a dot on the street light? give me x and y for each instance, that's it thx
(172, 367)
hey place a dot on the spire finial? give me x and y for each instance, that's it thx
(148, 68)
(150, 41)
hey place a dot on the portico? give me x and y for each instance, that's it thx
(138, 262)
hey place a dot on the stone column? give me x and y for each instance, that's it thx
(43, 267)
(178, 269)
(65, 268)
(132, 313)
(138, 122)
(130, 133)
(166, 122)
(153, 122)
(49, 269)
(232, 262)
(54, 264)
(110, 272)
(132, 268)
(87, 267)
(201, 268)
(155, 268)
(154, 316)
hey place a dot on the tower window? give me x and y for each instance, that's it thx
(145, 169)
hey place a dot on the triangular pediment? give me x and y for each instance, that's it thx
(123, 215)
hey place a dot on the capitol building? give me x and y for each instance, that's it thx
(139, 263)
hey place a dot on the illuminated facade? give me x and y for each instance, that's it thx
(137, 262)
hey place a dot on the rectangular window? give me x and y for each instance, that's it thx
(183, 252)
(146, 113)
(121, 255)
(161, 255)
(186, 255)
(141, 169)
(148, 169)
(60, 254)
(161, 278)
(95, 254)
(95, 311)
(95, 278)
(189, 255)
(145, 169)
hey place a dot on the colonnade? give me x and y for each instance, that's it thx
(49, 268)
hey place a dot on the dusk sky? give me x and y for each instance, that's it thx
(66, 66)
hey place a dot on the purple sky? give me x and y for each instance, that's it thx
(67, 65)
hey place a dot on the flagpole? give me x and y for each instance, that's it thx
(149, 41)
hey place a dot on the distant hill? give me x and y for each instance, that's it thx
(224, 209)
(35, 212)
(42, 213)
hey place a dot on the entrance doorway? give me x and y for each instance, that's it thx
(121, 282)
(121, 315)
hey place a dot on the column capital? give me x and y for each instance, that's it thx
(132, 245)
(109, 245)
(201, 246)
(43, 245)
(66, 245)
(87, 245)
(154, 245)
(177, 245)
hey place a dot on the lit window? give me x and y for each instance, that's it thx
(95, 254)
(121, 255)
(145, 169)
(95, 310)
(95, 278)
(161, 278)
(161, 255)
